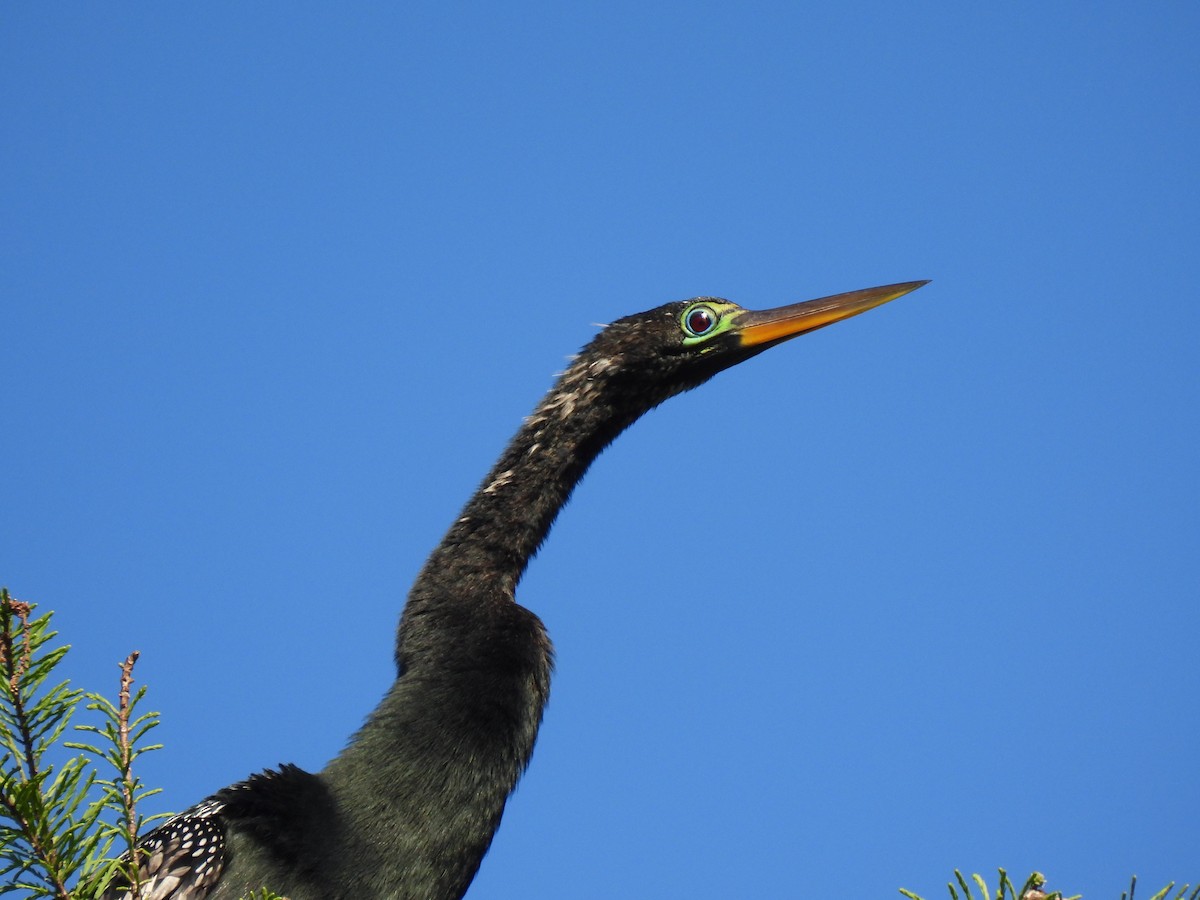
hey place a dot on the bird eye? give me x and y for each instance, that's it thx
(700, 320)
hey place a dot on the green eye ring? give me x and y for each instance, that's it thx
(705, 319)
(700, 319)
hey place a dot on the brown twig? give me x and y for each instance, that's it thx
(127, 780)
(123, 733)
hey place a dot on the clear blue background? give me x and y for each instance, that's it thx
(918, 591)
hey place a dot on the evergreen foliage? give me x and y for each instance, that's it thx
(1032, 890)
(65, 831)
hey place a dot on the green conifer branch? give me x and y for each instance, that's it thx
(1032, 889)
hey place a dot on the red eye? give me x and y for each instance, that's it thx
(700, 320)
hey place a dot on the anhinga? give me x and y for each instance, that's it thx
(409, 808)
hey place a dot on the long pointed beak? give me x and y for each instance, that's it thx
(774, 325)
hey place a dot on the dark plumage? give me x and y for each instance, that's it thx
(409, 808)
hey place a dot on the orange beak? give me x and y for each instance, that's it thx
(775, 325)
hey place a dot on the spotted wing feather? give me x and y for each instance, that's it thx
(182, 859)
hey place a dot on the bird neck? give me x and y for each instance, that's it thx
(504, 523)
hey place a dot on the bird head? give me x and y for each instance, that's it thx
(680, 345)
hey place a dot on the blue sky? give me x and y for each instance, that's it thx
(915, 592)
